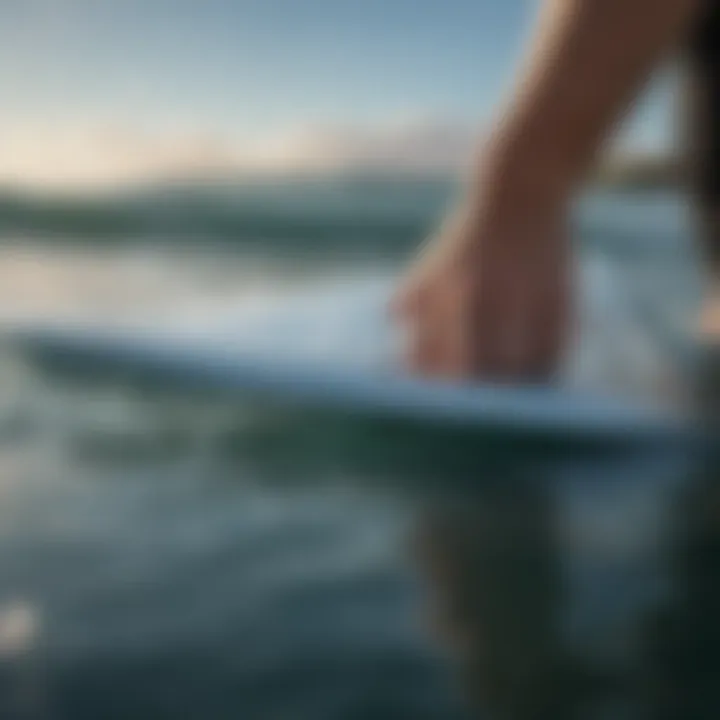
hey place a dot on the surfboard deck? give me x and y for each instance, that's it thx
(321, 353)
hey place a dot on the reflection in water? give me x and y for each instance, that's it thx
(564, 584)
(683, 655)
(562, 594)
(497, 597)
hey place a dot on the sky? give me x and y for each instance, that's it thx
(103, 89)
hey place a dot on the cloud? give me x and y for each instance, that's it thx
(424, 146)
(56, 156)
(86, 156)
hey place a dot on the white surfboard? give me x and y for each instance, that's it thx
(336, 350)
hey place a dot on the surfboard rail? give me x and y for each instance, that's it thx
(527, 410)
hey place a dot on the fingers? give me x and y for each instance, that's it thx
(550, 318)
(547, 317)
(476, 341)
(457, 329)
(428, 313)
(493, 328)
(425, 320)
(521, 318)
(424, 355)
(503, 325)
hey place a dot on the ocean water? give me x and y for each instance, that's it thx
(169, 555)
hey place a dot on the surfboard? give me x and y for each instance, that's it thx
(336, 350)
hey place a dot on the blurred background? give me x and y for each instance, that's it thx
(165, 554)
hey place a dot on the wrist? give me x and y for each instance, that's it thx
(524, 168)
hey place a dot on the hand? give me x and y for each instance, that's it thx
(489, 295)
(709, 324)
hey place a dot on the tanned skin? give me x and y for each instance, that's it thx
(490, 294)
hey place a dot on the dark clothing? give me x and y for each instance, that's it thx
(704, 127)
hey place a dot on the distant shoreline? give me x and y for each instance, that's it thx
(623, 173)
(643, 173)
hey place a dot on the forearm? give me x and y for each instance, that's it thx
(587, 63)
